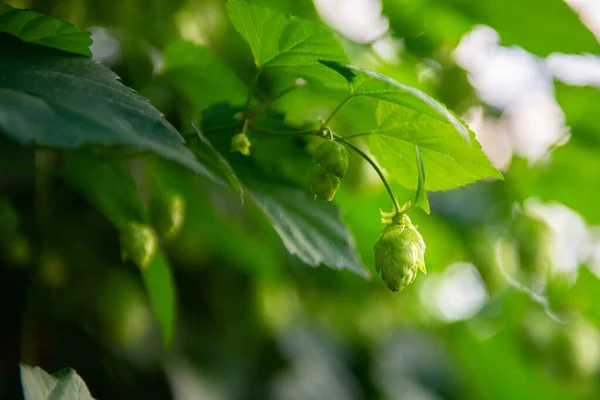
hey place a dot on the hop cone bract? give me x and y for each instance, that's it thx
(241, 143)
(333, 157)
(322, 183)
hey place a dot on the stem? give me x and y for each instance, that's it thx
(338, 108)
(282, 133)
(375, 167)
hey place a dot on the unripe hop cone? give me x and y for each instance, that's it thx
(241, 143)
(333, 157)
(322, 183)
(399, 253)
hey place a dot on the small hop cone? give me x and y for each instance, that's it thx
(399, 253)
(333, 157)
(241, 144)
(167, 213)
(323, 184)
(139, 244)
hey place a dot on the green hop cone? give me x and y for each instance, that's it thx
(241, 144)
(138, 243)
(399, 253)
(333, 157)
(167, 213)
(322, 183)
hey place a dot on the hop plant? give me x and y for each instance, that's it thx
(399, 253)
(138, 243)
(333, 157)
(241, 144)
(322, 183)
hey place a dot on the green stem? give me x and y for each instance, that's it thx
(260, 129)
(338, 108)
(375, 167)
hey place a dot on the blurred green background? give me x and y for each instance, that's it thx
(509, 309)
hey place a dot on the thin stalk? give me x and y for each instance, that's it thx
(260, 129)
(338, 108)
(375, 167)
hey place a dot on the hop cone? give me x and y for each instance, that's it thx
(322, 183)
(333, 157)
(399, 253)
(241, 143)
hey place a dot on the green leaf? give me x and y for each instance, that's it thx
(406, 117)
(448, 160)
(64, 384)
(36, 28)
(62, 101)
(111, 188)
(539, 26)
(160, 288)
(219, 162)
(198, 74)
(310, 229)
(277, 39)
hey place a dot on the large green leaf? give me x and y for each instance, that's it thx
(36, 28)
(63, 385)
(277, 39)
(53, 99)
(448, 160)
(539, 26)
(406, 117)
(217, 161)
(111, 188)
(310, 229)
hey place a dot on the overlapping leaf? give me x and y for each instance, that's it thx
(36, 28)
(406, 117)
(52, 99)
(63, 385)
(449, 161)
(311, 230)
(277, 39)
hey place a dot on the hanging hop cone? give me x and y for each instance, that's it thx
(241, 144)
(399, 253)
(333, 157)
(322, 183)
